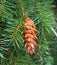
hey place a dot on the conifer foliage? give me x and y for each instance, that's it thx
(28, 16)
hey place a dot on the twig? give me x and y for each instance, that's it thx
(17, 29)
(37, 8)
(22, 7)
(54, 31)
(41, 59)
(35, 5)
(3, 6)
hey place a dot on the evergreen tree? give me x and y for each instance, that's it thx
(12, 19)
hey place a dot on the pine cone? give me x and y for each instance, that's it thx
(30, 35)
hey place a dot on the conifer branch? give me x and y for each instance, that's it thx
(23, 11)
(3, 6)
(37, 8)
(17, 29)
